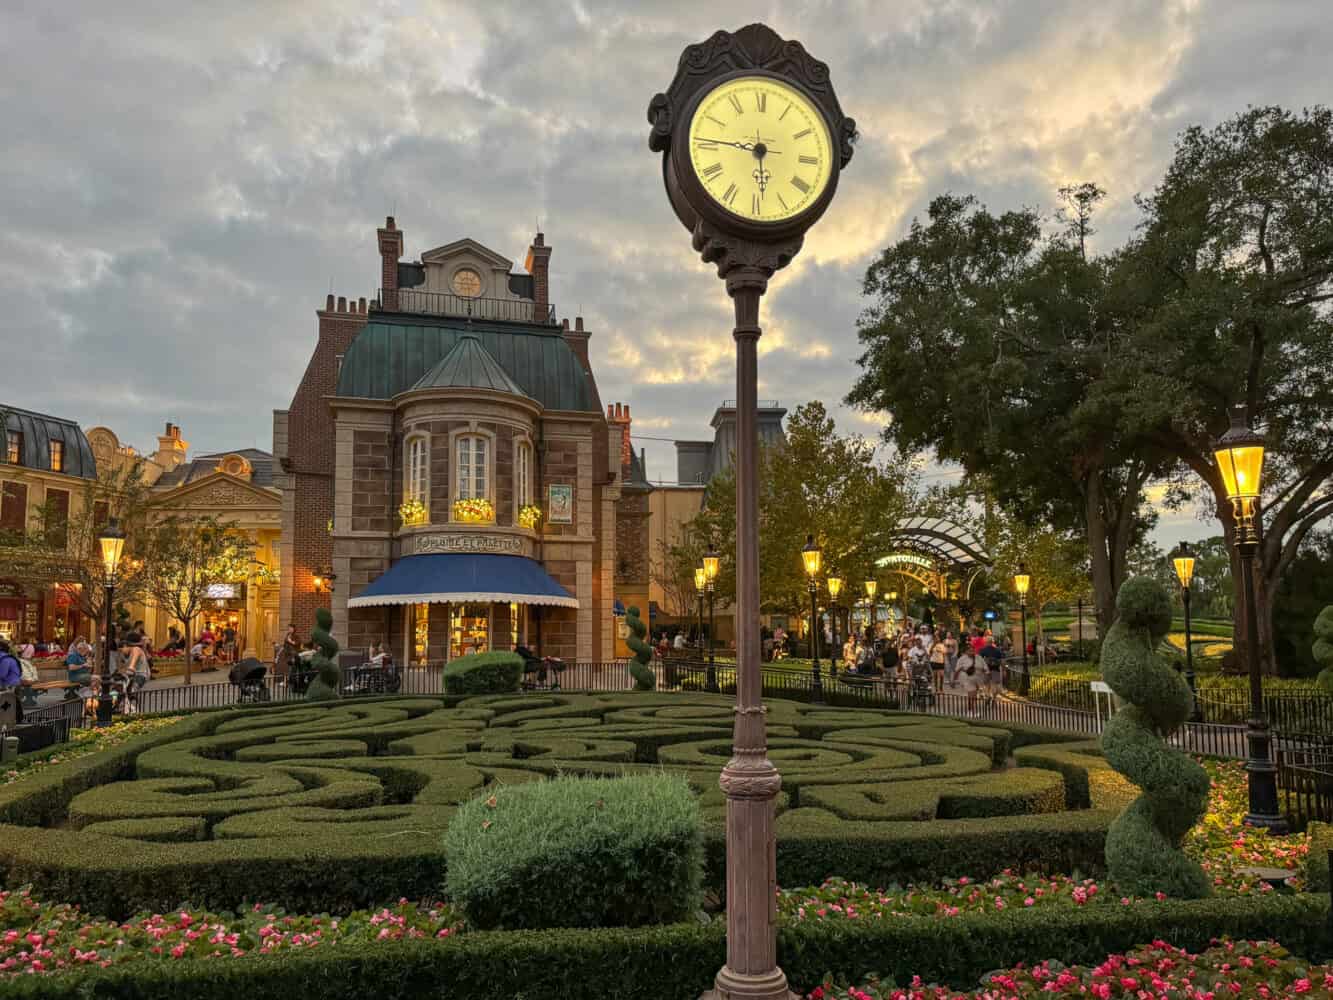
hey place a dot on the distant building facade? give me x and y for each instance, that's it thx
(449, 479)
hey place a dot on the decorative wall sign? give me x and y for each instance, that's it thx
(560, 503)
(468, 542)
(906, 558)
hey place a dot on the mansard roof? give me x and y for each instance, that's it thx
(38, 430)
(394, 350)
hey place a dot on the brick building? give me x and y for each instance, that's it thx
(449, 479)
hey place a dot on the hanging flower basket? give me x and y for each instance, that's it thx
(529, 516)
(412, 512)
(474, 510)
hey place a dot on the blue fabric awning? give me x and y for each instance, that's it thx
(464, 576)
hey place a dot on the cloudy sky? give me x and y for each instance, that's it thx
(184, 182)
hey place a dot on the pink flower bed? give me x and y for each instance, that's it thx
(1244, 969)
(38, 937)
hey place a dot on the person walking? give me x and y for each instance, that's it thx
(951, 658)
(994, 659)
(969, 674)
(939, 655)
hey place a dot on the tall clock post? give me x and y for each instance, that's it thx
(753, 140)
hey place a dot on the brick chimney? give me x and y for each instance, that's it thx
(617, 415)
(538, 265)
(391, 249)
(577, 339)
(171, 449)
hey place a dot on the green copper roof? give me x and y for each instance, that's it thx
(469, 366)
(395, 352)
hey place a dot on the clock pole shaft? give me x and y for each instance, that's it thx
(750, 781)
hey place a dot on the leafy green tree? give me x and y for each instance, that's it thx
(1056, 563)
(191, 555)
(62, 550)
(985, 340)
(1213, 591)
(1229, 283)
(1305, 590)
(819, 483)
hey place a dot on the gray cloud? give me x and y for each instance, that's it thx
(183, 182)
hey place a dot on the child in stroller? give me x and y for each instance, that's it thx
(921, 693)
(248, 675)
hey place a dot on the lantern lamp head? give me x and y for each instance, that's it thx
(812, 556)
(712, 563)
(1022, 580)
(700, 578)
(834, 586)
(1183, 561)
(1240, 458)
(112, 540)
(872, 588)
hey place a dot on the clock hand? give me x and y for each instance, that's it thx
(725, 142)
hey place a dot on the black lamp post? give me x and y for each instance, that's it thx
(813, 558)
(112, 540)
(712, 563)
(834, 589)
(1021, 583)
(1183, 561)
(1240, 459)
(872, 588)
(700, 585)
(1080, 628)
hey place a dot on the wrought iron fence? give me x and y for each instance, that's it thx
(1305, 781)
(62, 716)
(477, 307)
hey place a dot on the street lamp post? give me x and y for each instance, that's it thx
(813, 558)
(112, 540)
(872, 588)
(893, 602)
(712, 563)
(1080, 628)
(700, 585)
(1183, 561)
(834, 589)
(1021, 583)
(1240, 459)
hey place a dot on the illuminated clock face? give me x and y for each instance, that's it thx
(467, 283)
(761, 149)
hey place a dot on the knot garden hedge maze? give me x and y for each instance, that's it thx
(332, 805)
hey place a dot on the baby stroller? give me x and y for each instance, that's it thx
(538, 670)
(921, 693)
(248, 675)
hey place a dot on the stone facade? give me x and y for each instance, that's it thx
(347, 445)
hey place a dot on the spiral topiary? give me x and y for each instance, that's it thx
(640, 668)
(1323, 647)
(1143, 854)
(324, 685)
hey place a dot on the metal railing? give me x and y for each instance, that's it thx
(62, 717)
(1305, 782)
(448, 304)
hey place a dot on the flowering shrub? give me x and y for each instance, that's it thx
(412, 512)
(474, 510)
(1224, 844)
(50, 937)
(1151, 972)
(529, 515)
(83, 742)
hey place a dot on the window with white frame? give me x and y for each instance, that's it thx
(523, 474)
(473, 458)
(418, 470)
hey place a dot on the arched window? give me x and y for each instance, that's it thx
(416, 481)
(523, 474)
(472, 480)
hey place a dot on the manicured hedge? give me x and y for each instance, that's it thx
(325, 807)
(679, 961)
(483, 673)
(578, 852)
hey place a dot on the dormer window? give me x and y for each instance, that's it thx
(14, 447)
(57, 456)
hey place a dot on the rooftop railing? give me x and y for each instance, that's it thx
(413, 300)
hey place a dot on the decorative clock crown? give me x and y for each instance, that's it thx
(756, 46)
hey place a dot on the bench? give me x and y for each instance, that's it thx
(29, 692)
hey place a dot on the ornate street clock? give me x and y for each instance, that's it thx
(752, 141)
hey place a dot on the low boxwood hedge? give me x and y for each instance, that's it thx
(679, 961)
(483, 673)
(578, 852)
(326, 807)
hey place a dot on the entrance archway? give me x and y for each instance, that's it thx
(942, 556)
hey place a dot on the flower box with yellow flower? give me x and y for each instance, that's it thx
(412, 512)
(529, 516)
(474, 510)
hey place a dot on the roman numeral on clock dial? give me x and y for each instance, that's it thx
(803, 133)
(800, 185)
(813, 160)
(736, 103)
(761, 102)
(711, 171)
(729, 196)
